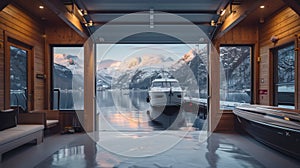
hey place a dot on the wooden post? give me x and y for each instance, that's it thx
(214, 89)
(297, 72)
(89, 86)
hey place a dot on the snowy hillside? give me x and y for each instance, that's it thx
(138, 72)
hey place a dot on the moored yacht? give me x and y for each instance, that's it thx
(165, 98)
(165, 92)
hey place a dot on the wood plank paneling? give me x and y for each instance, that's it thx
(21, 26)
(2, 69)
(226, 122)
(297, 69)
(285, 25)
(59, 34)
(242, 34)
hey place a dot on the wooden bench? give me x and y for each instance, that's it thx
(49, 118)
(27, 130)
(21, 134)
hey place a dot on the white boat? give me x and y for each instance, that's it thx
(165, 92)
(165, 97)
(276, 127)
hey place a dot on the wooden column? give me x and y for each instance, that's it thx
(214, 89)
(297, 72)
(2, 76)
(89, 86)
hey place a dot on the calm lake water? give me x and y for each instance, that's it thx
(127, 110)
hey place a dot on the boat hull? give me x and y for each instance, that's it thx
(165, 99)
(283, 139)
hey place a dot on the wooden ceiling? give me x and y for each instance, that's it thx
(198, 12)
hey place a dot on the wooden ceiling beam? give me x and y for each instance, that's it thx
(238, 14)
(294, 4)
(70, 19)
(124, 12)
(4, 3)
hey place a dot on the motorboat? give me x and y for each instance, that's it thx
(165, 92)
(165, 97)
(276, 127)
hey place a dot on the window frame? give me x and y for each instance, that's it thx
(52, 46)
(274, 75)
(252, 64)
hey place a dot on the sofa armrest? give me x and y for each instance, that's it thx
(50, 114)
(32, 118)
(8, 119)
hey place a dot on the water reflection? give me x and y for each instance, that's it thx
(218, 151)
(122, 109)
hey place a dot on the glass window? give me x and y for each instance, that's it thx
(175, 84)
(129, 69)
(284, 76)
(18, 77)
(235, 64)
(157, 84)
(67, 77)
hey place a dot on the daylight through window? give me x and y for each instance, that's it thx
(235, 61)
(68, 78)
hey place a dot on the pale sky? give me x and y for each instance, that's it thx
(123, 51)
(78, 51)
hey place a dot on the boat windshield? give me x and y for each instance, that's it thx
(165, 84)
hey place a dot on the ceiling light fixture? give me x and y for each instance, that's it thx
(41, 7)
(212, 23)
(261, 20)
(262, 7)
(223, 11)
(89, 24)
(82, 12)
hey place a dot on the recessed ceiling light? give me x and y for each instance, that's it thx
(223, 11)
(262, 7)
(41, 7)
(212, 23)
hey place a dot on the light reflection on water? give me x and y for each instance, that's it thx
(127, 110)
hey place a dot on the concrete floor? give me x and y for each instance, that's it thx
(218, 150)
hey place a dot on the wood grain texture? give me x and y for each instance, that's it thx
(21, 26)
(285, 25)
(59, 34)
(226, 123)
(2, 69)
(297, 68)
(242, 34)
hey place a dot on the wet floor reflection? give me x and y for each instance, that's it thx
(128, 138)
(217, 151)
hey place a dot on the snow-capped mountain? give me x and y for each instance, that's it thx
(72, 62)
(138, 72)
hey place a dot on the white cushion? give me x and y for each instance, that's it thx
(19, 131)
(51, 122)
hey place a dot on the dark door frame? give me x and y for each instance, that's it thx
(10, 41)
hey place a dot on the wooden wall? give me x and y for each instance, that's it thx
(19, 25)
(285, 25)
(60, 34)
(1, 69)
(242, 34)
